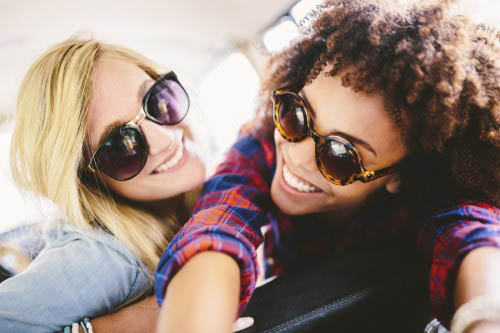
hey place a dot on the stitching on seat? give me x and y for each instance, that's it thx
(321, 309)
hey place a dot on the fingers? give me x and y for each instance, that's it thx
(242, 323)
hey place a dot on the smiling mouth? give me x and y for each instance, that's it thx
(298, 184)
(173, 161)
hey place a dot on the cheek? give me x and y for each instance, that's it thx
(138, 188)
(122, 188)
(278, 142)
(278, 139)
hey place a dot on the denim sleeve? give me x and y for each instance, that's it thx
(77, 275)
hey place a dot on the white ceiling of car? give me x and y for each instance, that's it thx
(184, 35)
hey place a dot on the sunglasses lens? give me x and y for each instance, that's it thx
(168, 103)
(123, 154)
(291, 116)
(338, 160)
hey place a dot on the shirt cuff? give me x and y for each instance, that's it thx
(449, 252)
(244, 254)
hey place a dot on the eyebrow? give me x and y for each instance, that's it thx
(117, 123)
(107, 131)
(350, 138)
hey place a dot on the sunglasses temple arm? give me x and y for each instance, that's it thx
(371, 175)
(91, 167)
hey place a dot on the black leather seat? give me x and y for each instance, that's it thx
(383, 291)
(4, 273)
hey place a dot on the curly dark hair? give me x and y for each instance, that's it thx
(438, 74)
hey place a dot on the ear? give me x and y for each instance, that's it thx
(393, 184)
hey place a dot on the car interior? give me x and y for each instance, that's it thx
(221, 48)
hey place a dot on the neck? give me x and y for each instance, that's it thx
(338, 219)
(164, 207)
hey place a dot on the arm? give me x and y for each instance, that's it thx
(138, 317)
(479, 275)
(76, 276)
(227, 218)
(143, 316)
(215, 296)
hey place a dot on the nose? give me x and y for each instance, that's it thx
(302, 154)
(159, 138)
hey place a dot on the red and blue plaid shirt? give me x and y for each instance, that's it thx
(235, 215)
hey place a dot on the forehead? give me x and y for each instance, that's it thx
(341, 109)
(116, 95)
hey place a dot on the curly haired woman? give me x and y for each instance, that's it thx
(379, 125)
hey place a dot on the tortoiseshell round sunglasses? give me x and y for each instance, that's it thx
(337, 159)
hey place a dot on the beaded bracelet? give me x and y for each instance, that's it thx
(87, 323)
(83, 327)
(75, 327)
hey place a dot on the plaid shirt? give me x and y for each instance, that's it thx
(235, 215)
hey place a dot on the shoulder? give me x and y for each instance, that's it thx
(253, 149)
(460, 225)
(98, 256)
(62, 234)
(466, 211)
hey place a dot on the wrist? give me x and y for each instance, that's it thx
(104, 324)
(485, 326)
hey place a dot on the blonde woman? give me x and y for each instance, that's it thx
(100, 131)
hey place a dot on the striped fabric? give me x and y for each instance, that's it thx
(235, 208)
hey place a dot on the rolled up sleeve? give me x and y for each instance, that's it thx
(227, 218)
(446, 239)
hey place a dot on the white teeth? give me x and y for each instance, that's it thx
(296, 183)
(179, 153)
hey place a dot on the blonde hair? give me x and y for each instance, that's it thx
(49, 142)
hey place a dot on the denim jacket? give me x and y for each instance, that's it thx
(78, 274)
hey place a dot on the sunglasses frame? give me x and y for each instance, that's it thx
(319, 141)
(143, 114)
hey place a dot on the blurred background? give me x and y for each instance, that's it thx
(218, 48)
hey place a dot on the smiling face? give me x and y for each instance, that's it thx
(173, 165)
(298, 186)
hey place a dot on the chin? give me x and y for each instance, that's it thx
(293, 210)
(189, 179)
